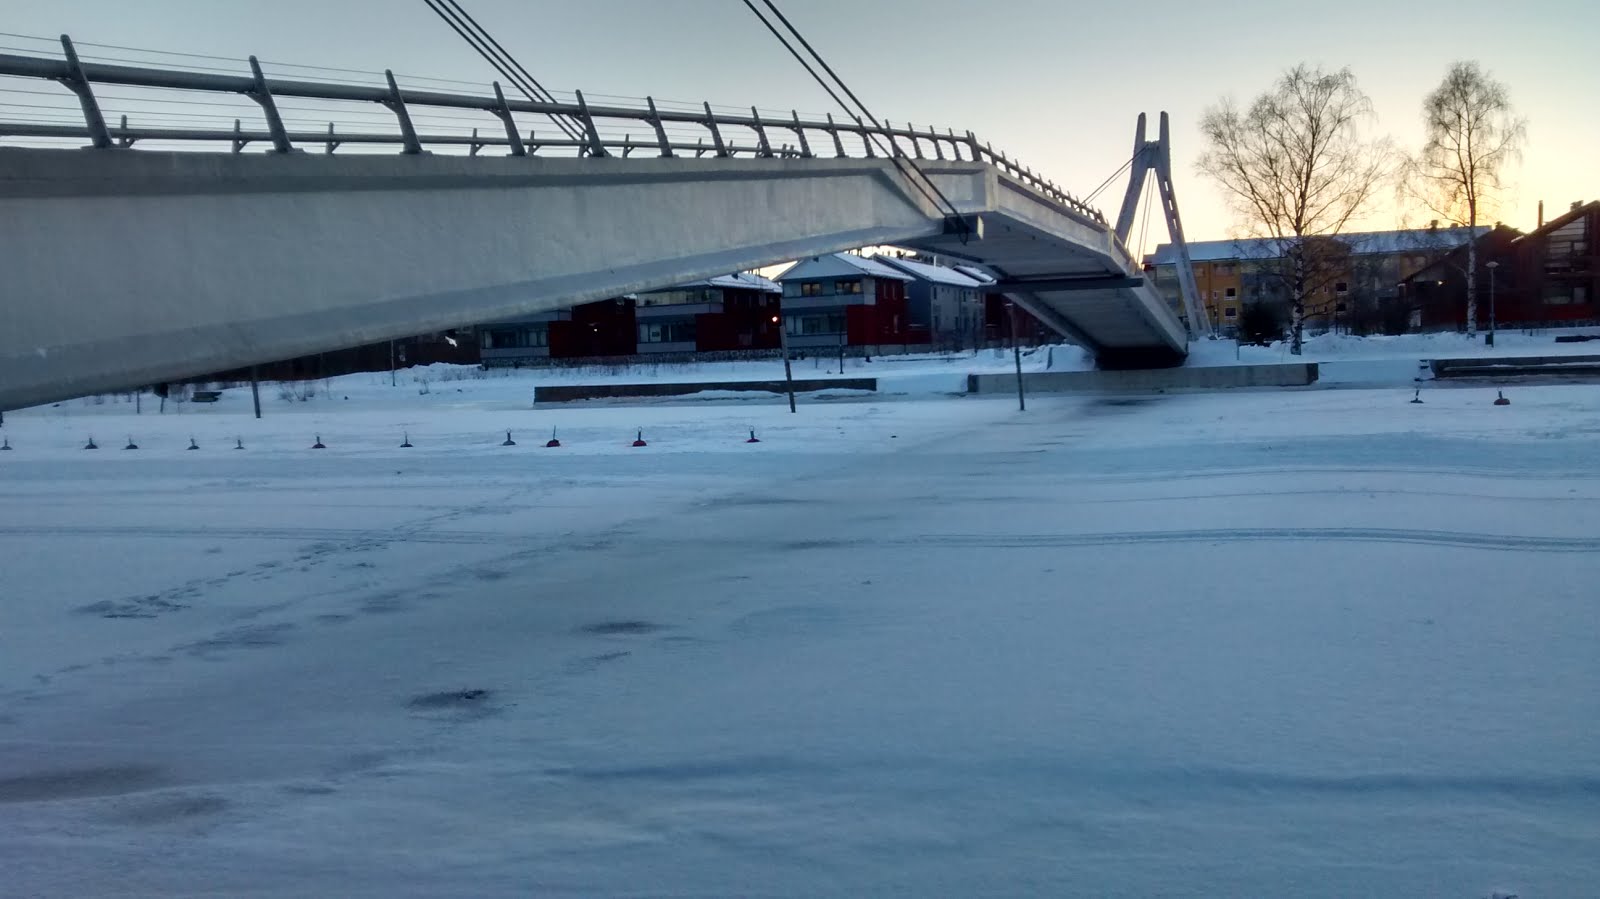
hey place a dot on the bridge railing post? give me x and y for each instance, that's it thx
(396, 104)
(126, 138)
(592, 144)
(78, 83)
(763, 149)
(916, 143)
(838, 143)
(263, 97)
(805, 145)
(503, 111)
(716, 133)
(661, 131)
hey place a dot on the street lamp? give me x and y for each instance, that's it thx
(1491, 266)
(783, 345)
(1016, 351)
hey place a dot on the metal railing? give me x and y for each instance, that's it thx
(725, 136)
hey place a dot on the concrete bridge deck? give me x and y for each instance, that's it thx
(127, 267)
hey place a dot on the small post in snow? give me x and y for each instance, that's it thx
(255, 388)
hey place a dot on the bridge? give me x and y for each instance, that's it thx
(126, 266)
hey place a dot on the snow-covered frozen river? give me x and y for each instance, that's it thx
(1311, 643)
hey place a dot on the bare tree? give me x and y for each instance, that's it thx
(1295, 166)
(1473, 135)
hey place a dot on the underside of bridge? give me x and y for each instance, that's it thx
(124, 268)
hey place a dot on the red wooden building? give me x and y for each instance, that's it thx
(720, 314)
(848, 300)
(1548, 277)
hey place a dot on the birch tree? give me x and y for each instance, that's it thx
(1295, 166)
(1472, 136)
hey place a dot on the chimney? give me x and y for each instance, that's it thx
(1433, 225)
(1541, 213)
(1576, 206)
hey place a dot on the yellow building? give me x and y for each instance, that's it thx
(1354, 283)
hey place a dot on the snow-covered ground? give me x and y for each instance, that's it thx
(1379, 361)
(1322, 643)
(1341, 348)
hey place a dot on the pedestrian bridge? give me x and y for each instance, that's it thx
(125, 266)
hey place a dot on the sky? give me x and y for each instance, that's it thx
(1055, 83)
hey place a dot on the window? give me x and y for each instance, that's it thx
(1340, 307)
(1341, 287)
(667, 332)
(1230, 312)
(677, 297)
(1231, 292)
(810, 325)
(1567, 241)
(516, 338)
(852, 286)
(791, 288)
(811, 289)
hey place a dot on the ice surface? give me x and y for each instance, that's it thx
(1319, 643)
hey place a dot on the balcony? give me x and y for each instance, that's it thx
(827, 301)
(675, 310)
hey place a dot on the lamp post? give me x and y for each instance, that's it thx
(1016, 352)
(1491, 266)
(783, 344)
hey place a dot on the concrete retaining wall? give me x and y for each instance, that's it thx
(1505, 366)
(1295, 374)
(569, 392)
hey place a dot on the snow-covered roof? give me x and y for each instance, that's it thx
(846, 264)
(924, 271)
(1366, 243)
(976, 274)
(736, 281)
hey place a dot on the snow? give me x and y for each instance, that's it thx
(840, 264)
(936, 274)
(738, 281)
(1314, 642)
(501, 398)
